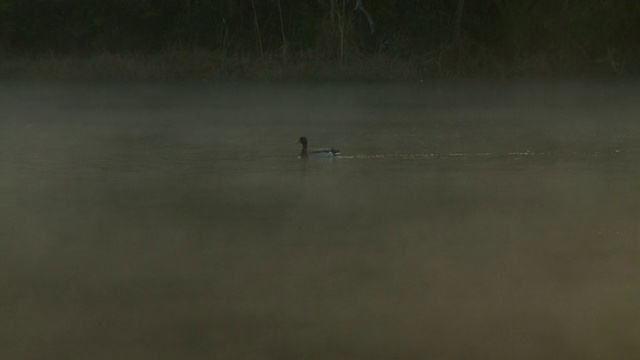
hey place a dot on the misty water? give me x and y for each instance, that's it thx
(463, 220)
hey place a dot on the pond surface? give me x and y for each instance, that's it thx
(463, 220)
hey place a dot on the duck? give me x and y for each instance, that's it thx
(316, 153)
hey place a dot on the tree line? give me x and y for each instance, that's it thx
(556, 32)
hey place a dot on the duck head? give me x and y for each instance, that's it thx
(303, 152)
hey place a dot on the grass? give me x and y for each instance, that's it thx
(175, 64)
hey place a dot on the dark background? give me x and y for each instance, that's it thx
(462, 36)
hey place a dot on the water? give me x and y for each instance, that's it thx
(463, 220)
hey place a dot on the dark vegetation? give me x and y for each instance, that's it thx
(319, 38)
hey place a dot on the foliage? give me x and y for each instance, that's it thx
(560, 34)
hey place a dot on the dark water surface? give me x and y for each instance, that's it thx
(475, 220)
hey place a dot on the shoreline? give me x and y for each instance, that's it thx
(208, 65)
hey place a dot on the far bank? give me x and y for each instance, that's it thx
(204, 64)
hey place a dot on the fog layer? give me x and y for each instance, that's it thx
(462, 220)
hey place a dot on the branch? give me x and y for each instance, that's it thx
(360, 7)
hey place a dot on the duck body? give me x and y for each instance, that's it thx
(324, 153)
